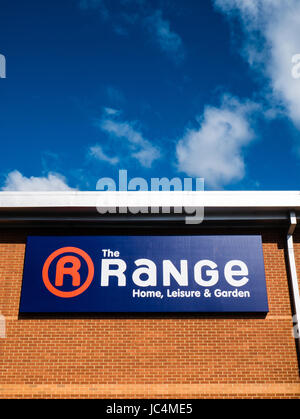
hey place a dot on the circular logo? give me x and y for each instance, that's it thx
(73, 271)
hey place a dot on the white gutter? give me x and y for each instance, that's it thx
(208, 199)
(293, 276)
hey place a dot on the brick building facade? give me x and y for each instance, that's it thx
(174, 355)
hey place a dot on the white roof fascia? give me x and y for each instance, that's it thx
(209, 199)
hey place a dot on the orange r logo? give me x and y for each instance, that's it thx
(73, 271)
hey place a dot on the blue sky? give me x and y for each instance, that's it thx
(159, 88)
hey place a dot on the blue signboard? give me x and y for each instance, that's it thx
(143, 274)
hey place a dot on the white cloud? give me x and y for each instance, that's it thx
(168, 40)
(133, 12)
(141, 149)
(15, 181)
(111, 111)
(98, 5)
(214, 150)
(272, 38)
(98, 153)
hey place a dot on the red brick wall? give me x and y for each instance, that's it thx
(170, 356)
